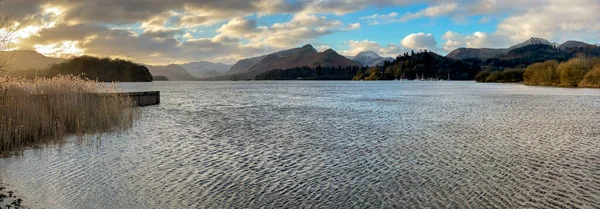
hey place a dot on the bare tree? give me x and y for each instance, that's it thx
(6, 38)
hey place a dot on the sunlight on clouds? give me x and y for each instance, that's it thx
(53, 10)
(65, 49)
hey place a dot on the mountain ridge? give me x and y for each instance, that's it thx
(487, 53)
(370, 58)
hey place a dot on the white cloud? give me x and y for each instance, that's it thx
(555, 20)
(355, 47)
(419, 41)
(322, 48)
(353, 26)
(433, 11)
(378, 16)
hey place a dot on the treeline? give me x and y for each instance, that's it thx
(93, 68)
(423, 64)
(573, 73)
(307, 73)
(509, 75)
(527, 55)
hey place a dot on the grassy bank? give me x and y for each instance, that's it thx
(46, 110)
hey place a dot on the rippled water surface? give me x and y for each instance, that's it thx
(333, 145)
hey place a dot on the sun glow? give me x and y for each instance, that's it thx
(63, 49)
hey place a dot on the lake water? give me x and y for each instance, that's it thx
(333, 145)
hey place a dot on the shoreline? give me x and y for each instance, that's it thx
(9, 197)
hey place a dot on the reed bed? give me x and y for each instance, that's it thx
(46, 111)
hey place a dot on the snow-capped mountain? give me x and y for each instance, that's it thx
(533, 41)
(370, 58)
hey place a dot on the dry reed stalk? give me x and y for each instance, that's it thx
(46, 110)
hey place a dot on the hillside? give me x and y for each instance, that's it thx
(297, 57)
(245, 64)
(466, 53)
(487, 53)
(205, 69)
(172, 72)
(533, 41)
(101, 69)
(370, 58)
(573, 44)
(26, 59)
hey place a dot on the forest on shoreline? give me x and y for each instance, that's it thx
(572, 73)
(533, 65)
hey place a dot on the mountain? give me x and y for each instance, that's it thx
(466, 53)
(205, 69)
(27, 59)
(487, 53)
(93, 68)
(533, 41)
(172, 72)
(296, 57)
(573, 44)
(370, 58)
(304, 56)
(245, 64)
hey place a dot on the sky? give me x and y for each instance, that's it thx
(180, 31)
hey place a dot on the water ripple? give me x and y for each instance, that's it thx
(332, 145)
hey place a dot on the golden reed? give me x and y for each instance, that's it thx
(46, 110)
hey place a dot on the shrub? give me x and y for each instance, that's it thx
(494, 77)
(544, 74)
(591, 78)
(481, 76)
(512, 75)
(572, 72)
(42, 110)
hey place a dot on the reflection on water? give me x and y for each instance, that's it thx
(332, 144)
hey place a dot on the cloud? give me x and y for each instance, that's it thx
(378, 16)
(163, 32)
(239, 27)
(433, 11)
(158, 31)
(419, 41)
(355, 47)
(555, 20)
(353, 26)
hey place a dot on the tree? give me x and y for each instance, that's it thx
(318, 70)
(591, 78)
(572, 72)
(5, 40)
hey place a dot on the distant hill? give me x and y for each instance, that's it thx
(370, 58)
(205, 69)
(101, 69)
(245, 64)
(172, 72)
(466, 53)
(292, 58)
(573, 44)
(533, 41)
(487, 53)
(27, 59)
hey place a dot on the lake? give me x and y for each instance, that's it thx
(331, 144)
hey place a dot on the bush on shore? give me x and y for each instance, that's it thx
(573, 73)
(505, 76)
(46, 110)
(591, 78)
(542, 74)
(482, 76)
